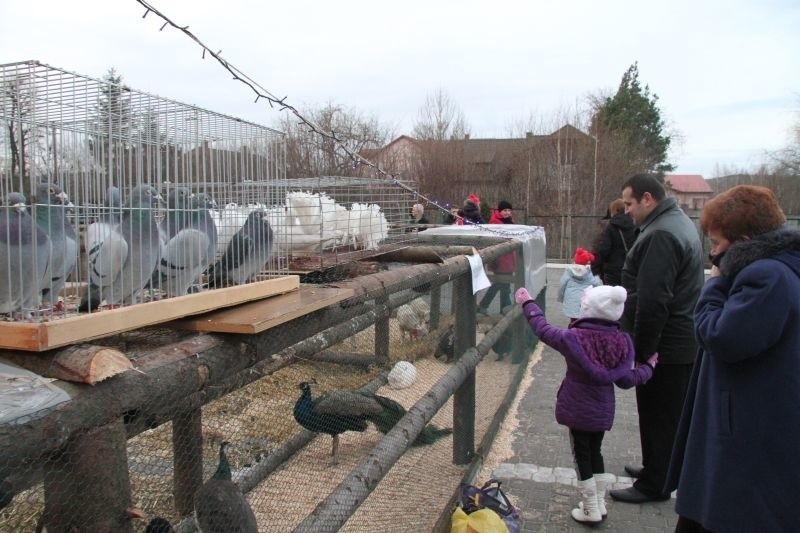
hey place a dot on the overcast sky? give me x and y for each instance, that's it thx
(727, 73)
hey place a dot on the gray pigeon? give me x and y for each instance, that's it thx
(51, 216)
(24, 258)
(106, 224)
(246, 254)
(128, 257)
(192, 239)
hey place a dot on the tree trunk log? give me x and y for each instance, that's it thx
(187, 453)
(340, 504)
(83, 363)
(86, 486)
(348, 358)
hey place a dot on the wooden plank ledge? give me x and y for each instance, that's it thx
(39, 336)
(255, 317)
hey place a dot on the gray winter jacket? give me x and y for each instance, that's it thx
(575, 280)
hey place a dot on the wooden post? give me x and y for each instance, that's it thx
(518, 329)
(436, 303)
(382, 333)
(187, 457)
(86, 485)
(464, 397)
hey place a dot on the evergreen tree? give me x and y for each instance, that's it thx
(631, 121)
(113, 125)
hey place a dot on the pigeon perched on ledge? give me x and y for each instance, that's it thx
(24, 257)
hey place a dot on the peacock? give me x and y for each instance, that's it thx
(219, 504)
(341, 410)
(159, 525)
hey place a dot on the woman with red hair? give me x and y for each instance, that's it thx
(734, 461)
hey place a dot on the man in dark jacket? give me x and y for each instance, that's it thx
(663, 274)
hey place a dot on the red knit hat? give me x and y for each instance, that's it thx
(582, 257)
(474, 199)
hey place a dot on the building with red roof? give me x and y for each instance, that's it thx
(691, 190)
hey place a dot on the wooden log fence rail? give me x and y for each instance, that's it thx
(188, 374)
(340, 504)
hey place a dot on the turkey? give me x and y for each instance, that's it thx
(340, 410)
(413, 318)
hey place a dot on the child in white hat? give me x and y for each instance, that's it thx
(598, 355)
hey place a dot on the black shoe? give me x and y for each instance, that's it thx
(634, 495)
(634, 471)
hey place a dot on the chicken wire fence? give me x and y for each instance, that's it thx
(111, 196)
(166, 460)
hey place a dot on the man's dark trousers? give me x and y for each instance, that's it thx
(659, 403)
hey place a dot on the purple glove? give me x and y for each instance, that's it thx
(653, 360)
(522, 295)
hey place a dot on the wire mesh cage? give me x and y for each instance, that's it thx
(148, 443)
(112, 191)
(113, 196)
(332, 220)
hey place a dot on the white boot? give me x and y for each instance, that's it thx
(603, 481)
(587, 510)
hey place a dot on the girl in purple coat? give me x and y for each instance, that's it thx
(598, 355)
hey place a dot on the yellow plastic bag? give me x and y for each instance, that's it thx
(481, 521)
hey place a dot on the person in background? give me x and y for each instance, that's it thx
(577, 277)
(451, 217)
(506, 264)
(418, 214)
(734, 461)
(602, 224)
(598, 355)
(663, 274)
(471, 211)
(615, 241)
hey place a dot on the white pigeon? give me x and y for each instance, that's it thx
(372, 226)
(306, 209)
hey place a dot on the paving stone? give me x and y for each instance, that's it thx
(560, 471)
(525, 470)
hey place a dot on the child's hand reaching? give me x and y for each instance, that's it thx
(653, 360)
(522, 295)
